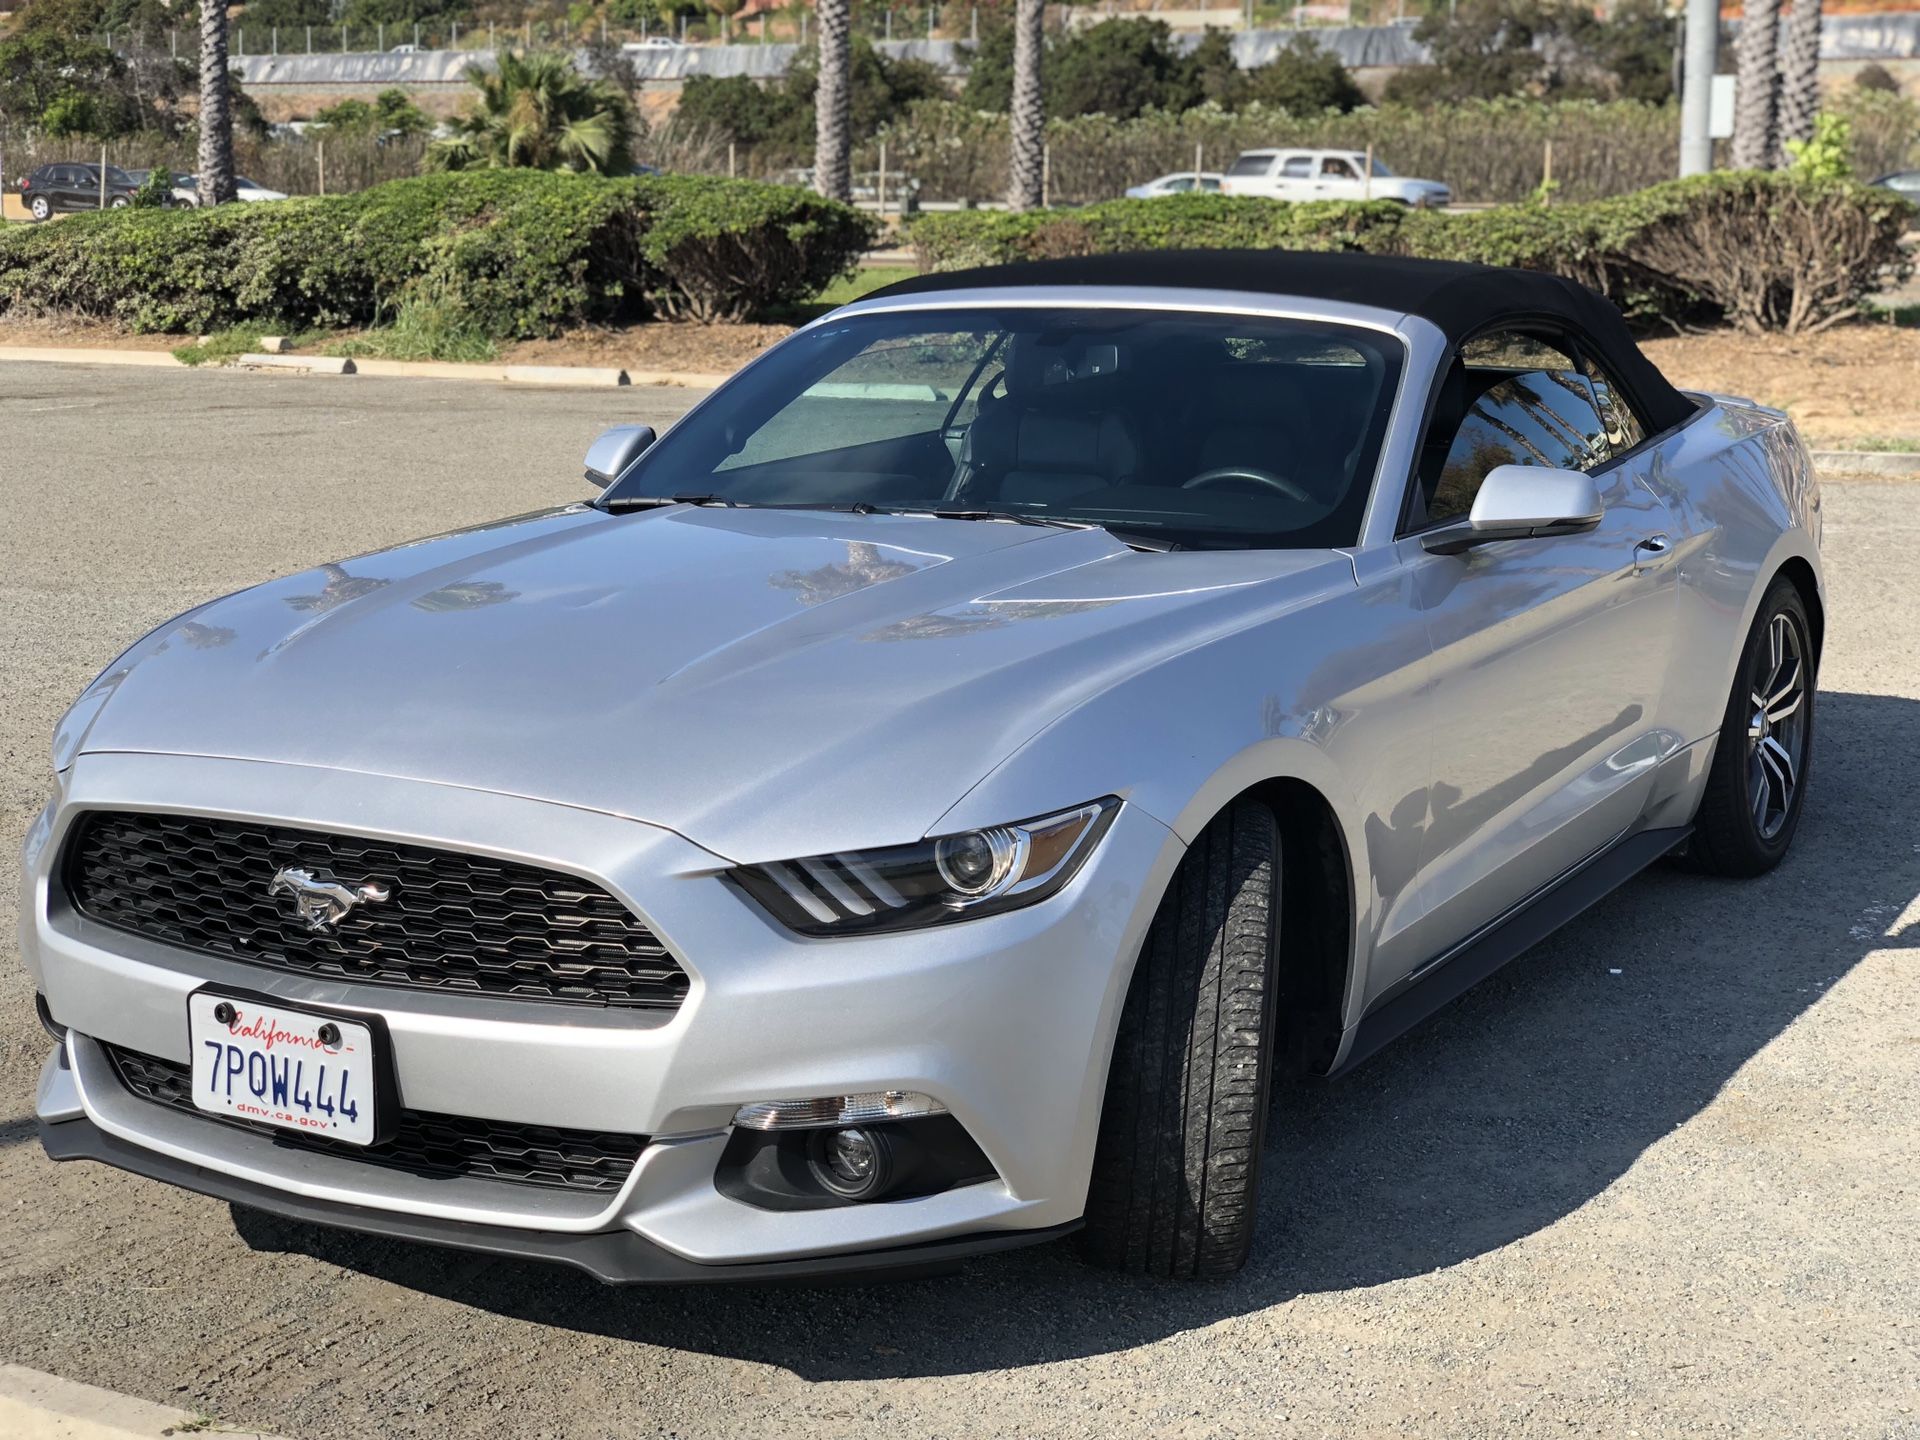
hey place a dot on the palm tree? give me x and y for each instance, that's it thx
(832, 102)
(216, 107)
(1026, 189)
(1799, 75)
(538, 112)
(1757, 89)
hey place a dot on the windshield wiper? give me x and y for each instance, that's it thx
(620, 504)
(968, 512)
(1132, 538)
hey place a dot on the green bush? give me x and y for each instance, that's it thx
(1761, 250)
(954, 240)
(518, 253)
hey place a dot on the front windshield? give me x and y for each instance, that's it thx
(1182, 428)
(117, 176)
(1379, 169)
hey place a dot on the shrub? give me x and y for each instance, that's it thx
(517, 253)
(1760, 250)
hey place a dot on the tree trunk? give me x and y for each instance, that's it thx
(216, 107)
(1799, 75)
(1757, 90)
(832, 101)
(1029, 112)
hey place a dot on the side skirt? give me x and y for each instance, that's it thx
(1451, 976)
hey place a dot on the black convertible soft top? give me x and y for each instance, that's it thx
(1459, 299)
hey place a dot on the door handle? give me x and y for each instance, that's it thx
(1650, 552)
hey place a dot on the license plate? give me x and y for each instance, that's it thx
(292, 1068)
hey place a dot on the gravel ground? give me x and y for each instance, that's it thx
(1660, 1177)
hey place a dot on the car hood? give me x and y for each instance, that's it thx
(767, 683)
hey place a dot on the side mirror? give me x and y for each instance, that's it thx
(1518, 502)
(616, 449)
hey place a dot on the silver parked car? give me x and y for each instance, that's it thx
(929, 796)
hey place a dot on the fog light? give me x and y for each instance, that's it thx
(838, 1110)
(853, 1164)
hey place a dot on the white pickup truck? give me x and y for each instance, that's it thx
(1327, 175)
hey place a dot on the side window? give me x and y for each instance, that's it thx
(1624, 430)
(1297, 167)
(1182, 185)
(1337, 169)
(1508, 399)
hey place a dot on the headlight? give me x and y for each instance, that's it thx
(942, 878)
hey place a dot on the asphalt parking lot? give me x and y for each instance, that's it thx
(1662, 1176)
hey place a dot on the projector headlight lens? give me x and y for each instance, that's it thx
(941, 879)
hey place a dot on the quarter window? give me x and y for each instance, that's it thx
(1624, 430)
(1508, 399)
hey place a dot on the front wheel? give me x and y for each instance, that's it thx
(1176, 1172)
(1757, 787)
(118, 202)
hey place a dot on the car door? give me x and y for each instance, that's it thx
(1295, 178)
(63, 186)
(1338, 179)
(1548, 654)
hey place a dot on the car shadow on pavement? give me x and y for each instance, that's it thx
(1510, 1110)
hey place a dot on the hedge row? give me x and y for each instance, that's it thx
(1761, 250)
(521, 252)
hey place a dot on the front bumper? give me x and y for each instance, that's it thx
(616, 1257)
(1008, 1020)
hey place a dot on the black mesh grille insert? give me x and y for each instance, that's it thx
(451, 921)
(423, 1143)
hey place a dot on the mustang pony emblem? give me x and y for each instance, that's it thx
(321, 902)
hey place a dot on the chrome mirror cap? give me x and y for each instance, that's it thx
(616, 449)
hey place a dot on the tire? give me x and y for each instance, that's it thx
(118, 202)
(1757, 786)
(40, 208)
(1176, 1171)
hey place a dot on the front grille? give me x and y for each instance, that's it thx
(451, 921)
(423, 1143)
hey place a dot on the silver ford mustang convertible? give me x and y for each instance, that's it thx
(931, 794)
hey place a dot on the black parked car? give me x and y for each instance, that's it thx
(49, 188)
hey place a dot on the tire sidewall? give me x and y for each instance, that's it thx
(40, 208)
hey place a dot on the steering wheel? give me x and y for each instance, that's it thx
(1208, 478)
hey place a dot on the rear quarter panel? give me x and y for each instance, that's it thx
(1744, 500)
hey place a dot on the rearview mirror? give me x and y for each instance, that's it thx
(616, 449)
(1518, 502)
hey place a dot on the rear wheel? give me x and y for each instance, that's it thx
(40, 207)
(1176, 1173)
(1758, 783)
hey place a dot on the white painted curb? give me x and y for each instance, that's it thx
(38, 1406)
(564, 375)
(312, 364)
(1867, 462)
(76, 355)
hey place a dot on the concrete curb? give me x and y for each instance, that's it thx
(564, 375)
(37, 1406)
(391, 369)
(305, 364)
(64, 355)
(1868, 462)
